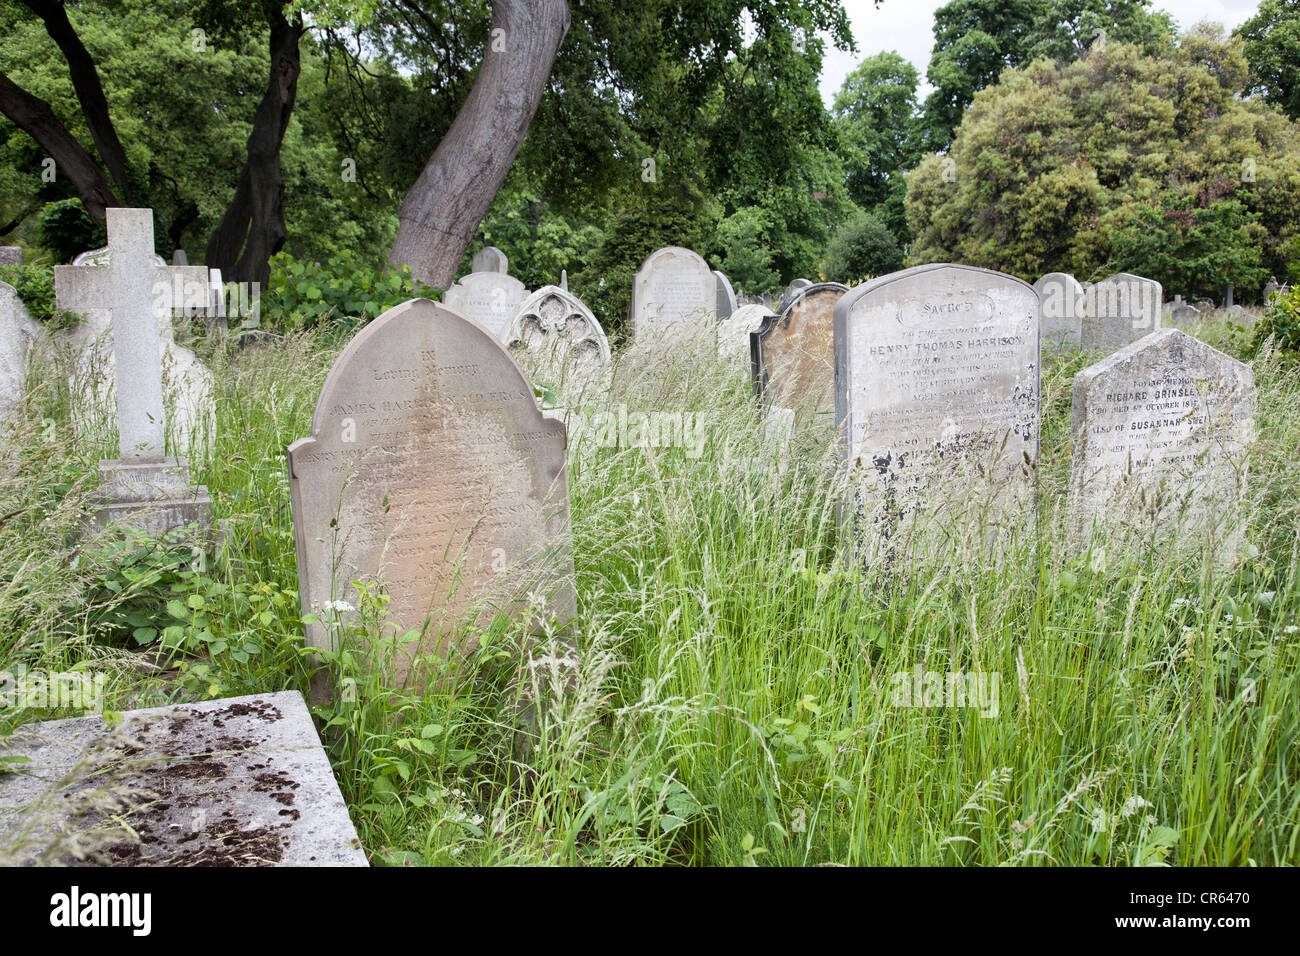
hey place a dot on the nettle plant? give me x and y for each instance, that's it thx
(1281, 322)
(341, 292)
(221, 631)
(34, 283)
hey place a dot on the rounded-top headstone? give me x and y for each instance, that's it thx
(674, 296)
(1061, 296)
(556, 335)
(793, 354)
(490, 259)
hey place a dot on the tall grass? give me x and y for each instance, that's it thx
(735, 697)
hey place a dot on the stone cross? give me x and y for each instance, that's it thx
(126, 285)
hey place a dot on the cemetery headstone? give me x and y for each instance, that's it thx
(726, 296)
(489, 295)
(790, 292)
(674, 297)
(11, 255)
(240, 781)
(490, 259)
(1270, 287)
(793, 354)
(1062, 301)
(86, 288)
(734, 331)
(557, 337)
(179, 258)
(142, 488)
(1119, 310)
(936, 387)
(17, 332)
(1160, 432)
(430, 471)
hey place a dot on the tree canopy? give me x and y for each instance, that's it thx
(1120, 161)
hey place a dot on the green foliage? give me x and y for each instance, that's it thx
(536, 238)
(1120, 160)
(648, 217)
(1193, 244)
(974, 41)
(864, 247)
(1281, 323)
(34, 283)
(66, 229)
(1272, 45)
(876, 111)
(745, 240)
(340, 294)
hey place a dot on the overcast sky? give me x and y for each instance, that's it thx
(906, 26)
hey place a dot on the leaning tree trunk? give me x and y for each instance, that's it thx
(34, 116)
(443, 209)
(90, 92)
(254, 220)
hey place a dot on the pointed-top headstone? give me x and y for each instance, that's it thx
(431, 470)
(179, 258)
(1158, 456)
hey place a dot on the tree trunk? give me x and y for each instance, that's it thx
(35, 117)
(254, 220)
(443, 209)
(90, 93)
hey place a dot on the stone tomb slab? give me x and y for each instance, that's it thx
(936, 388)
(431, 472)
(241, 781)
(1160, 432)
(793, 355)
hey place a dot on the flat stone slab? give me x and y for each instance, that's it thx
(241, 781)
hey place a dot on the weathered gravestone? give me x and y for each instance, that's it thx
(490, 259)
(790, 292)
(431, 471)
(1119, 310)
(734, 331)
(488, 295)
(86, 288)
(793, 355)
(726, 296)
(143, 488)
(936, 387)
(1160, 431)
(17, 332)
(11, 255)
(241, 781)
(674, 298)
(1181, 315)
(556, 337)
(1061, 298)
